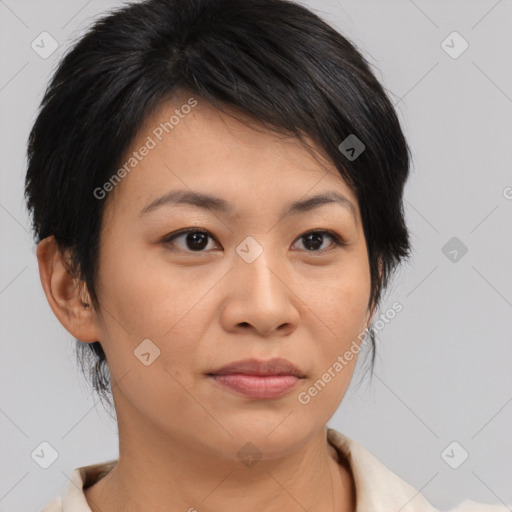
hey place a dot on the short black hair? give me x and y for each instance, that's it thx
(275, 61)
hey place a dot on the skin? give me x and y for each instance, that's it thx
(179, 432)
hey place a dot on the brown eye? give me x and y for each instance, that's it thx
(195, 240)
(316, 239)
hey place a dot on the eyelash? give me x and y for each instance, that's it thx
(337, 240)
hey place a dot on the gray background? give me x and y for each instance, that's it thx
(443, 367)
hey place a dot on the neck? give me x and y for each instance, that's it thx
(160, 473)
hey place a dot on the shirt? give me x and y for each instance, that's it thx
(378, 489)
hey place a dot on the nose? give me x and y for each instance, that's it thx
(260, 296)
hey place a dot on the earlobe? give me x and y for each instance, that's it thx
(64, 292)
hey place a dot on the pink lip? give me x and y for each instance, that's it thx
(259, 379)
(258, 386)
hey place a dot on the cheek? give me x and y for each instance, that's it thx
(338, 330)
(145, 300)
(151, 330)
(341, 312)
(341, 301)
(149, 294)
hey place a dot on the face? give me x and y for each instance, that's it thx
(248, 281)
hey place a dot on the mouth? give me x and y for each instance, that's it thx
(258, 379)
(256, 367)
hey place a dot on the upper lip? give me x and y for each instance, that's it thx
(276, 366)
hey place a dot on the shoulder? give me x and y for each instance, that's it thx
(54, 506)
(377, 486)
(475, 506)
(73, 498)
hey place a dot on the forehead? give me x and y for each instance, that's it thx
(187, 143)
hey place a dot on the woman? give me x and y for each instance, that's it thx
(216, 190)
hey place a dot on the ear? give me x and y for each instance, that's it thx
(71, 305)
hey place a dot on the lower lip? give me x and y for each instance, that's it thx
(258, 386)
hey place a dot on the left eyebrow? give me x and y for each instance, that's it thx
(210, 202)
